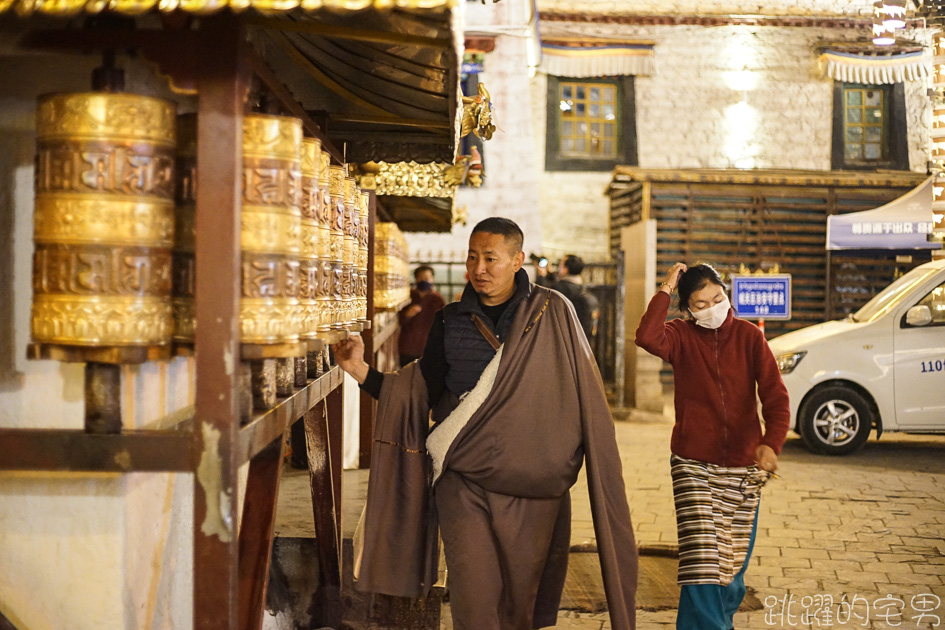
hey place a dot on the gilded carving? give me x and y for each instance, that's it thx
(269, 321)
(92, 270)
(100, 320)
(270, 232)
(272, 137)
(184, 319)
(323, 208)
(269, 276)
(408, 179)
(99, 219)
(64, 166)
(126, 117)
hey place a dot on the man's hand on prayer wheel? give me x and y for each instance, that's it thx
(349, 354)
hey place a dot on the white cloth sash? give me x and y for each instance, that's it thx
(443, 435)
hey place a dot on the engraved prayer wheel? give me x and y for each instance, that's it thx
(336, 191)
(352, 227)
(308, 254)
(363, 236)
(324, 294)
(391, 284)
(103, 221)
(271, 229)
(185, 234)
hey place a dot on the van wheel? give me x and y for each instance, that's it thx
(835, 420)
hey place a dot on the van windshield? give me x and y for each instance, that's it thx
(891, 295)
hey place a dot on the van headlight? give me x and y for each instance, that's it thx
(787, 362)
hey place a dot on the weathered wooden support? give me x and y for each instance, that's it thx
(326, 501)
(264, 383)
(285, 377)
(102, 398)
(301, 371)
(256, 529)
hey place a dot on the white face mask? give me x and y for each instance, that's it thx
(714, 316)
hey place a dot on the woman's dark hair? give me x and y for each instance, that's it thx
(695, 278)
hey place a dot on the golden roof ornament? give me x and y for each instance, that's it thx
(477, 115)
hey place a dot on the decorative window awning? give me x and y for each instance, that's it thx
(851, 67)
(596, 58)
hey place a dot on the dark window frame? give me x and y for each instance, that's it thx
(626, 128)
(896, 140)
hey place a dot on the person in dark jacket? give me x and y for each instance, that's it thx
(571, 285)
(519, 407)
(720, 455)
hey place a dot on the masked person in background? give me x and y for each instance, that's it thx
(417, 317)
(720, 457)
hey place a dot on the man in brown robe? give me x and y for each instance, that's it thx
(518, 405)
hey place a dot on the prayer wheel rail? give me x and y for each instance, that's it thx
(75, 450)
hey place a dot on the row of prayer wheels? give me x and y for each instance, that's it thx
(114, 228)
(391, 267)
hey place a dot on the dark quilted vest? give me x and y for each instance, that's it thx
(467, 351)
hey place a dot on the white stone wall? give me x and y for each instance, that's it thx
(510, 188)
(823, 8)
(721, 97)
(79, 551)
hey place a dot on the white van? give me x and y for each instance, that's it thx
(882, 367)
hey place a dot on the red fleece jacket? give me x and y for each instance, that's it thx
(715, 372)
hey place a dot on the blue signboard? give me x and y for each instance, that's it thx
(763, 296)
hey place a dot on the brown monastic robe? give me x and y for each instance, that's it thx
(546, 414)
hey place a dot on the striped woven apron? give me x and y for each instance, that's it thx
(715, 510)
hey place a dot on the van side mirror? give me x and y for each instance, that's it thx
(919, 315)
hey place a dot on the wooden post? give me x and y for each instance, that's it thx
(222, 87)
(301, 372)
(264, 383)
(325, 503)
(285, 377)
(256, 528)
(368, 404)
(102, 398)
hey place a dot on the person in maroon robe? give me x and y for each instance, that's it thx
(417, 317)
(518, 406)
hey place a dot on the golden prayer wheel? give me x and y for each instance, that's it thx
(308, 255)
(103, 221)
(363, 236)
(271, 229)
(324, 294)
(352, 225)
(185, 234)
(391, 283)
(336, 191)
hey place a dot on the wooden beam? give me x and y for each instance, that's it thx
(324, 503)
(311, 27)
(223, 84)
(390, 120)
(316, 73)
(266, 427)
(256, 529)
(78, 451)
(368, 406)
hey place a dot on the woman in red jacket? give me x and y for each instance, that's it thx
(720, 456)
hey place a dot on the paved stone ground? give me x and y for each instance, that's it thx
(869, 527)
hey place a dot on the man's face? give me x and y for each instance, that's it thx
(425, 276)
(491, 265)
